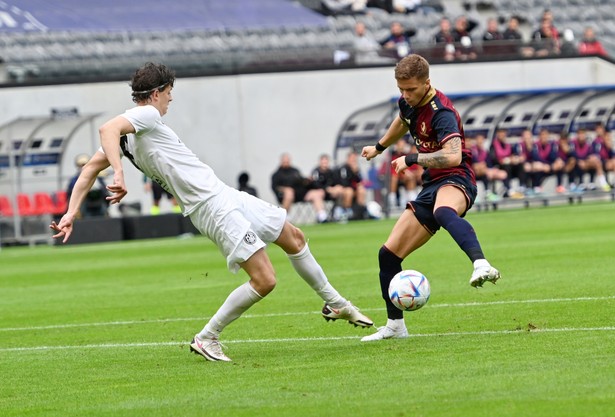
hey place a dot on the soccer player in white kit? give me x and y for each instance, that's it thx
(240, 224)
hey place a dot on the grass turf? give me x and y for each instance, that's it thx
(102, 330)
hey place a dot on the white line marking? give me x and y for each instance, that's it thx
(305, 339)
(296, 313)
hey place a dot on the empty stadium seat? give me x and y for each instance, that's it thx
(6, 207)
(43, 204)
(25, 206)
(61, 201)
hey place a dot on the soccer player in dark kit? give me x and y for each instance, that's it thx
(449, 185)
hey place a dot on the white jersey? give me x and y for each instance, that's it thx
(158, 152)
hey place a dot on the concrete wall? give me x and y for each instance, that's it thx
(245, 122)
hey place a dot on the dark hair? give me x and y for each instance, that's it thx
(148, 78)
(244, 178)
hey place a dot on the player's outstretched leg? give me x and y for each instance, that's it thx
(483, 272)
(336, 306)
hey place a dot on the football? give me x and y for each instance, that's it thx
(409, 290)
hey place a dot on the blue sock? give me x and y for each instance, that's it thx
(461, 231)
(390, 265)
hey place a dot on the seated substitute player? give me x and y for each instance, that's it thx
(449, 186)
(240, 224)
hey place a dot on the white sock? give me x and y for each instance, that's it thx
(397, 324)
(238, 301)
(312, 273)
(601, 180)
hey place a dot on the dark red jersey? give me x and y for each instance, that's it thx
(431, 126)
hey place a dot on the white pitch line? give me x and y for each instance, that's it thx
(295, 313)
(305, 339)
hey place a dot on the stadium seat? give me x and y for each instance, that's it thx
(25, 206)
(61, 202)
(43, 204)
(6, 208)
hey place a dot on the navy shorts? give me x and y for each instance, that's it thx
(424, 204)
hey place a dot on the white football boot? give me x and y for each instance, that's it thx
(386, 332)
(349, 313)
(482, 274)
(210, 349)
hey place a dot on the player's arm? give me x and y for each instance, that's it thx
(396, 130)
(87, 178)
(110, 134)
(449, 156)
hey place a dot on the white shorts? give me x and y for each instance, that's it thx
(239, 224)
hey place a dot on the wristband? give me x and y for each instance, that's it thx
(411, 159)
(380, 148)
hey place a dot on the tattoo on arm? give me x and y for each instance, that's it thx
(448, 156)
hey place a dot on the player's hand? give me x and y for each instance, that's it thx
(117, 189)
(399, 164)
(369, 152)
(64, 228)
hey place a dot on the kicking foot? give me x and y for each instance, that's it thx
(349, 312)
(484, 274)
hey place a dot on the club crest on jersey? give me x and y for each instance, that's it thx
(423, 131)
(250, 238)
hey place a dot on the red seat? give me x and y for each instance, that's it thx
(61, 201)
(6, 207)
(25, 206)
(43, 204)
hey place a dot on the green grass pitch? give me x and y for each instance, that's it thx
(102, 330)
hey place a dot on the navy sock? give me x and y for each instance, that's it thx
(461, 231)
(390, 265)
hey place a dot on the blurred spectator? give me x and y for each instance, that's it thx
(545, 40)
(589, 45)
(514, 36)
(397, 44)
(289, 187)
(444, 37)
(483, 167)
(243, 184)
(157, 193)
(493, 32)
(602, 147)
(365, 47)
(326, 178)
(509, 157)
(565, 154)
(512, 33)
(588, 163)
(463, 27)
(354, 191)
(461, 33)
(568, 47)
(445, 34)
(95, 203)
(547, 15)
(545, 161)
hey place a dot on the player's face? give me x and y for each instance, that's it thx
(413, 90)
(164, 99)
